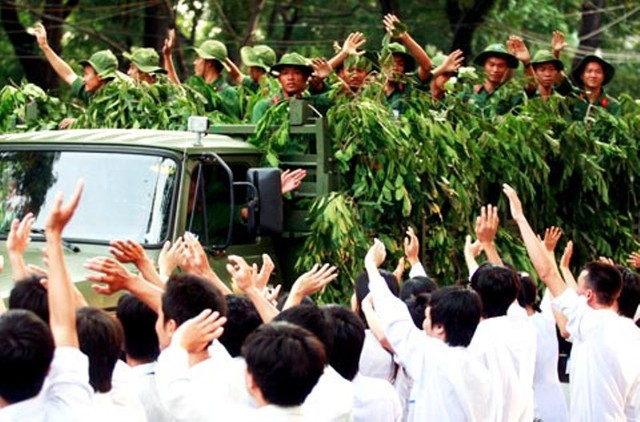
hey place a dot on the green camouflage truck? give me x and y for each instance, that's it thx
(152, 186)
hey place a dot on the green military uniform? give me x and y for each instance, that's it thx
(581, 104)
(104, 63)
(261, 56)
(397, 99)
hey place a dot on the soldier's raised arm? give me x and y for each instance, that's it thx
(64, 71)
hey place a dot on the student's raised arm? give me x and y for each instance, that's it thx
(62, 316)
(538, 256)
(486, 229)
(64, 71)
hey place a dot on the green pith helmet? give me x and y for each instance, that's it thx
(294, 60)
(104, 62)
(546, 56)
(496, 50)
(261, 56)
(607, 68)
(145, 59)
(400, 50)
(213, 50)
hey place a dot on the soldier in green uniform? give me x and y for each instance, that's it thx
(98, 70)
(590, 76)
(210, 62)
(292, 72)
(408, 56)
(144, 66)
(548, 71)
(258, 60)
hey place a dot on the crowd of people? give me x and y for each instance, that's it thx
(402, 67)
(186, 346)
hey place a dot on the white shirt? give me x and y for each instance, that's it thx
(548, 397)
(273, 413)
(375, 360)
(145, 381)
(202, 392)
(113, 406)
(449, 384)
(506, 346)
(375, 400)
(331, 400)
(66, 397)
(605, 363)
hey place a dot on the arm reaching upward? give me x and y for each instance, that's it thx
(61, 67)
(393, 25)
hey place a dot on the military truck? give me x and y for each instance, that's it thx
(152, 186)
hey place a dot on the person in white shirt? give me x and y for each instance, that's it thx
(605, 369)
(29, 349)
(374, 399)
(505, 344)
(449, 384)
(141, 351)
(548, 397)
(332, 397)
(284, 364)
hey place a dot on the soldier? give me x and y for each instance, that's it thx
(144, 65)
(210, 62)
(293, 71)
(591, 75)
(398, 87)
(258, 60)
(547, 69)
(98, 70)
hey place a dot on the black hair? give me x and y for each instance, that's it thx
(31, 295)
(138, 323)
(285, 361)
(417, 285)
(528, 293)
(26, 352)
(605, 281)
(282, 300)
(101, 339)
(497, 286)
(458, 310)
(629, 298)
(242, 320)
(186, 295)
(310, 318)
(361, 288)
(417, 305)
(348, 341)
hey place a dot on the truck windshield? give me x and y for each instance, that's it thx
(126, 196)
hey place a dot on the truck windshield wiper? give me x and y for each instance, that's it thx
(65, 243)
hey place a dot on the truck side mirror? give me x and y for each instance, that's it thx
(265, 210)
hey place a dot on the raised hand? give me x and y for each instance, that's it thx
(321, 68)
(606, 260)
(411, 247)
(40, 33)
(291, 180)
(452, 63)
(61, 213)
(114, 278)
(518, 48)
(195, 334)
(566, 255)
(514, 202)
(169, 42)
(241, 272)
(376, 254)
(558, 43)
(128, 251)
(634, 259)
(315, 279)
(169, 257)
(393, 26)
(262, 277)
(487, 224)
(398, 273)
(354, 41)
(551, 237)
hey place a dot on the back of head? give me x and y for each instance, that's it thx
(138, 323)
(629, 298)
(417, 305)
(26, 352)
(285, 362)
(416, 286)
(101, 339)
(310, 318)
(186, 295)
(605, 281)
(458, 310)
(362, 289)
(242, 320)
(31, 295)
(497, 286)
(528, 293)
(348, 341)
